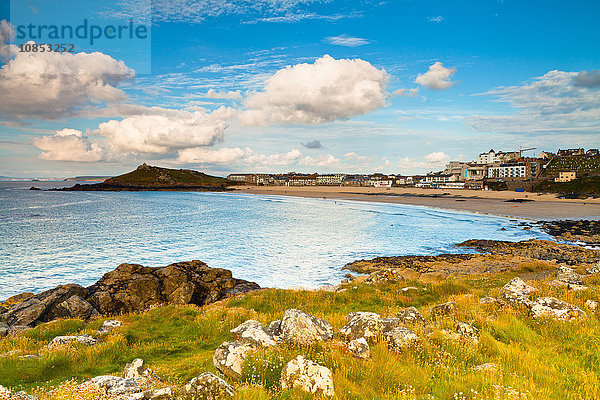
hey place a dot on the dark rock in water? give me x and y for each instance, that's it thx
(129, 288)
(34, 188)
(132, 287)
(587, 231)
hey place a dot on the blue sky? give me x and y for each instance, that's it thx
(387, 86)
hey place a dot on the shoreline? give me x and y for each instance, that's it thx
(504, 204)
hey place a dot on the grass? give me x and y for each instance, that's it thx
(537, 359)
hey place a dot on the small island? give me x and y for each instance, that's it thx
(146, 177)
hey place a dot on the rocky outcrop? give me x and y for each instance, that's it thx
(132, 287)
(229, 358)
(443, 310)
(467, 331)
(590, 304)
(556, 309)
(130, 386)
(129, 288)
(135, 370)
(115, 385)
(109, 326)
(207, 386)
(587, 231)
(568, 276)
(367, 325)
(301, 328)
(50, 305)
(304, 374)
(594, 269)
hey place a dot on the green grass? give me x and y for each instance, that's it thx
(543, 359)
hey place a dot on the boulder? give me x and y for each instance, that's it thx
(4, 391)
(443, 310)
(591, 304)
(207, 386)
(132, 287)
(367, 325)
(115, 385)
(304, 374)
(253, 333)
(466, 330)
(160, 394)
(274, 328)
(83, 339)
(411, 315)
(557, 309)
(73, 307)
(47, 306)
(383, 276)
(302, 328)
(135, 370)
(401, 337)
(3, 329)
(595, 269)
(229, 358)
(17, 329)
(517, 292)
(109, 326)
(568, 276)
(359, 348)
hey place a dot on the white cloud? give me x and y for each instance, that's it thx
(437, 19)
(289, 158)
(407, 92)
(165, 132)
(326, 160)
(199, 155)
(228, 95)
(437, 77)
(347, 41)
(325, 91)
(355, 157)
(555, 102)
(6, 33)
(68, 145)
(437, 157)
(53, 85)
(432, 161)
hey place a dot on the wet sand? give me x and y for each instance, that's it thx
(487, 202)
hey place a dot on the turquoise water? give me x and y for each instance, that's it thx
(51, 238)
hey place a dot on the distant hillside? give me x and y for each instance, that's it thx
(587, 185)
(146, 177)
(87, 179)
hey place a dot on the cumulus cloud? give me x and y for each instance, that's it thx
(407, 92)
(326, 160)
(431, 161)
(315, 144)
(437, 77)
(6, 33)
(437, 157)
(588, 79)
(558, 101)
(347, 41)
(53, 85)
(68, 145)
(325, 91)
(228, 95)
(163, 133)
(288, 158)
(199, 155)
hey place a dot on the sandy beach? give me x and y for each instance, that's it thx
(533, 205)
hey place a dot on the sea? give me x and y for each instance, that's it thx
(48, 238)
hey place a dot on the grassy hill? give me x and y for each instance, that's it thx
(146, 175)
(589, 185)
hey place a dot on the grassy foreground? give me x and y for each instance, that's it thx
(537, 359)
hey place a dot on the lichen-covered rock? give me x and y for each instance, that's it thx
(229, 358)
(303, 374)
(160, 394)
(367, 325)
(401, 337)
(491, 301)
(254, 333)
(443, 310)
(557, 309)
(594, 269)
(411, 315)
(135, 370)
(82, 339)
(383, 276)
(73, 307)
(517, 292)
(115, 385)
(207, 386)
(274, 328)
(466, 330)
(109, 326)
(359, 348)
(302, 328)
(4, 391)
(3, 329)
(568, 275)
(487, 367)
(591, 304)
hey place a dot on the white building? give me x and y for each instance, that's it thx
(330, 179)
(488, 158)
(508, 171)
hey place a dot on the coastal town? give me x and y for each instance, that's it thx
(497, 170)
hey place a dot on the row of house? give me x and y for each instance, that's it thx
(488, 167)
